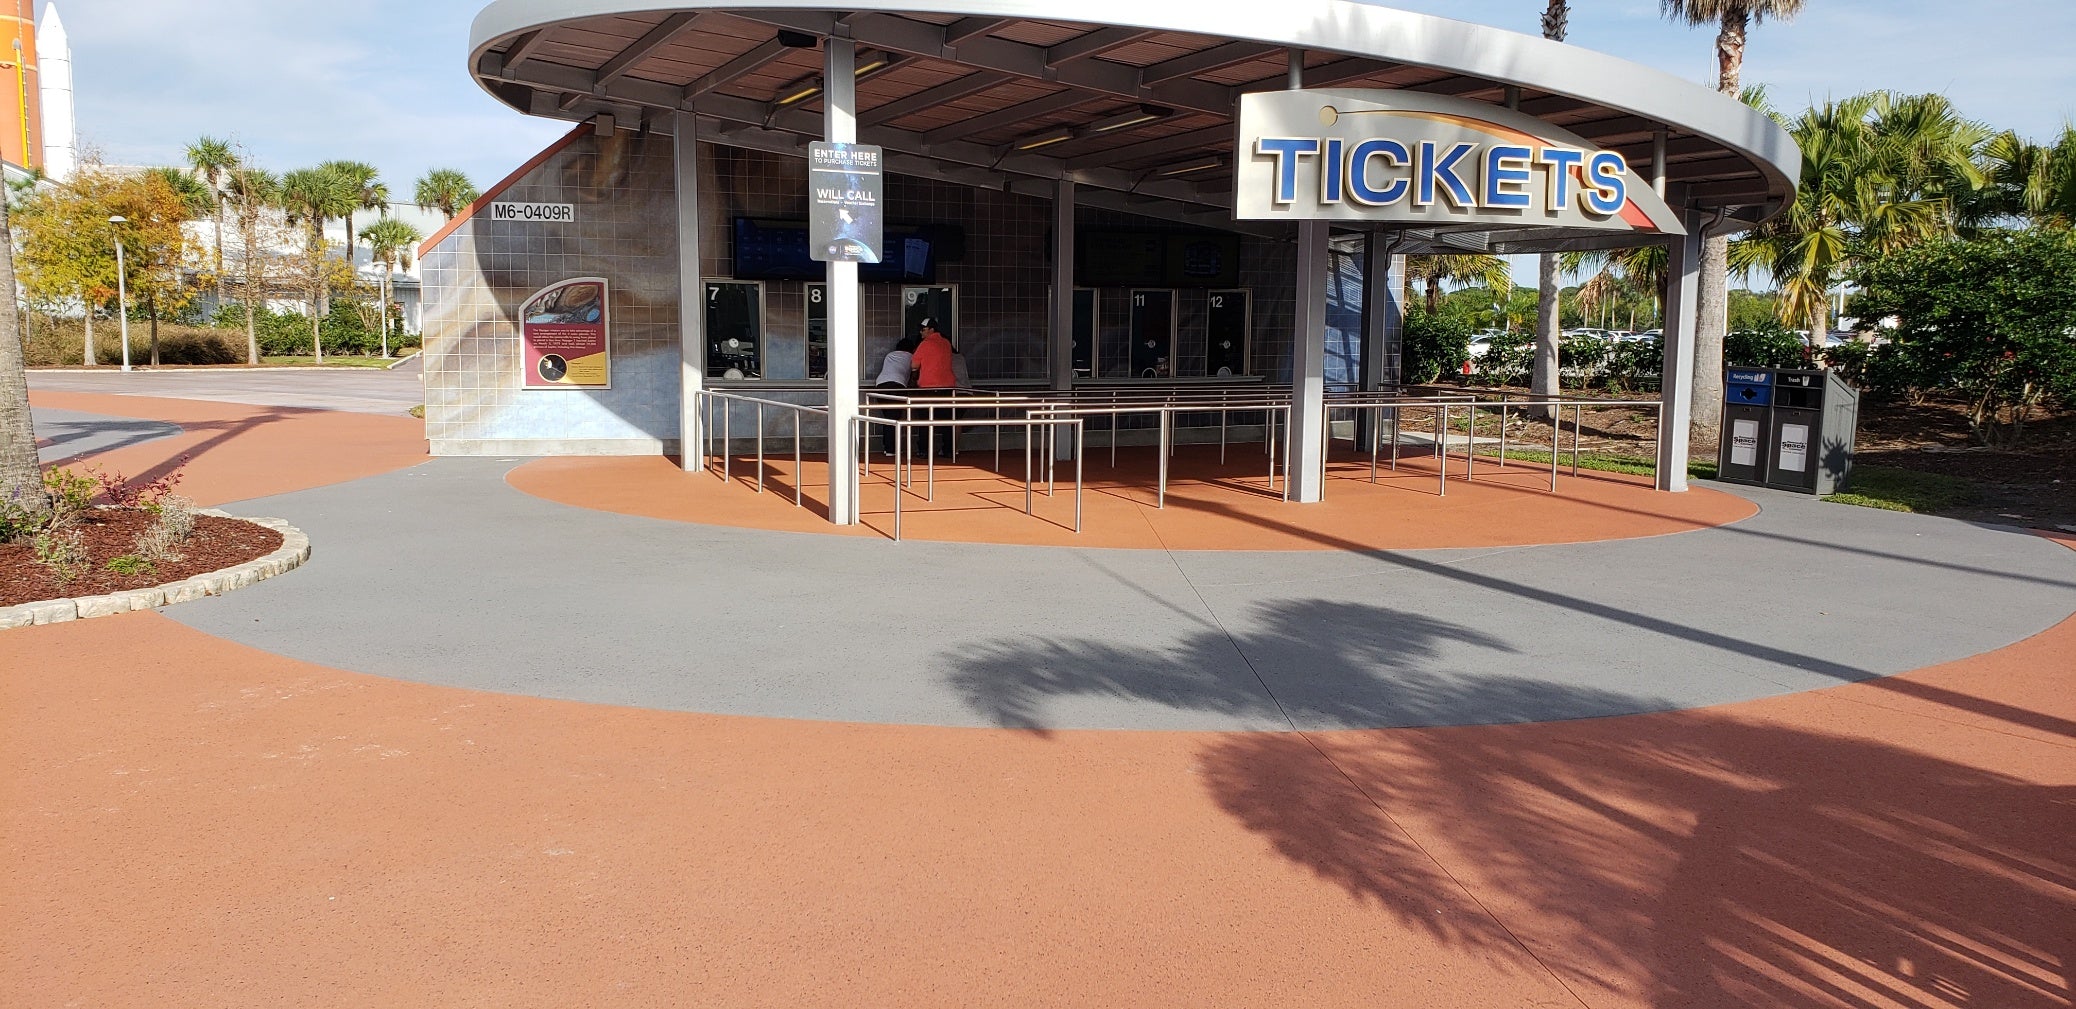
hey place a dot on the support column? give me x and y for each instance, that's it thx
(691, 298)
(1060, 353)
(1682, 285)
(1383, 323)
(840, 125)
(1308, 367)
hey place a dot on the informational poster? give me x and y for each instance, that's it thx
(845, 200)
(1744, 443)
(563, 337)
(1794, 448)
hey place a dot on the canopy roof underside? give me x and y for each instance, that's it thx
(1141, 118)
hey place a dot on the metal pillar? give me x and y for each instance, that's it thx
(691, 299)
(1682, 281)
(1306, 476)
(1061, 350)
(840, 125)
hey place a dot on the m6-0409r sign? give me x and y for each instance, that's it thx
(535, 213)
(1429, 160)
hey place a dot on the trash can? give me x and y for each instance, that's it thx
(1790, 429)
(1747, 397)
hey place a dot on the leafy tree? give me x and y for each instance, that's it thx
(211, 160)
(445, 190)
(1432, 344)
(1750, 310)
(252, 191)
(1993, 317)
(1733, 20)
(21, 479)
(390, 242)
(156, 258)
(68, 246)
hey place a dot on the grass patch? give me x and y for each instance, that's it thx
(330, 361)
(1905, 490)
(1600, 461)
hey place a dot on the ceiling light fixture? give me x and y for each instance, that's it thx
(1142, 114)
(1046, 139)
(799, 91)
(1186, 167)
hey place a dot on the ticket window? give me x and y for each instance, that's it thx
(817, 331)
(1228, 324)
(1084, 332)
(734, 329)
(1152, 334)
(938, 304)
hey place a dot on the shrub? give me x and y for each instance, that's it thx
(1432, 343)
(1849, 360)
(1635, 363)
(1508, 359)
(162, 539)
(1769, 346)
(63, 552)
(1582, 359)
(130, 564)
(123, 492)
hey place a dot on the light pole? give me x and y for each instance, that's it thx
(122, 291)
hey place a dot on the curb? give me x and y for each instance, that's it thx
(294, 550)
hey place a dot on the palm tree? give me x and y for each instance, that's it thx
(21, 479)
(2024, 181)
(1463, 268)
(312, 196)
(369, 192)
(445, 190)
(390, 242)
(253, 191)
(209, 159)
(1542, 370)
(1733, 20)
(1879, 173)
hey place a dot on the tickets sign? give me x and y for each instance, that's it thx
(1429, 160)
(563, 337)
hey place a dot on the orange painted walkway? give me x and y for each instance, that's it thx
(189, 822)
(192, 823)
(235, 452)
(1209, 506)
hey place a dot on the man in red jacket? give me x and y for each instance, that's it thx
(934, 376)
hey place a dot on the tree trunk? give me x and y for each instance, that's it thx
(248, 221)
(21, 478)
(1542, 372)
(385, 311)
(88, 355)
(1711, 322)
(1712, 299)
(151, 304)
(219, 248)
(1434, 295)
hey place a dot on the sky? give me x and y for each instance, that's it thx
(296, 82)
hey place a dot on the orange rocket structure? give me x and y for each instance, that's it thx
(21, 112)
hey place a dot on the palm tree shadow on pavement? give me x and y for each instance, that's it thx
(1335, 665)
(1688, 859)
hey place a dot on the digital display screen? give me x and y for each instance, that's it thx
(778, 250)
(1156, 259)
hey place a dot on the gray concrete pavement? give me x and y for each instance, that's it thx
(71, 434)
(357, 390)
(444, 573)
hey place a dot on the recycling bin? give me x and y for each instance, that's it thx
(1788, 428)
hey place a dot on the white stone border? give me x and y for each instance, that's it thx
(295, 549)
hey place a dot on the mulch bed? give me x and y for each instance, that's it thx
(109, 533)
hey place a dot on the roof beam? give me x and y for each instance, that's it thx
(737, 68)
(1095, 43)
(928, 98)
(522, 47)
(901, 35)
(1342, 71)
(1010, 116)
(1204, 61)
(639, 50)
(1174, 143)
(966, 28)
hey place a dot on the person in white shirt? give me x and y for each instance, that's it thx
(896, 371)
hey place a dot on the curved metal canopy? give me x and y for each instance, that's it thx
(1135, 102)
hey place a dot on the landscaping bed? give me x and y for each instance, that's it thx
(106, 534)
